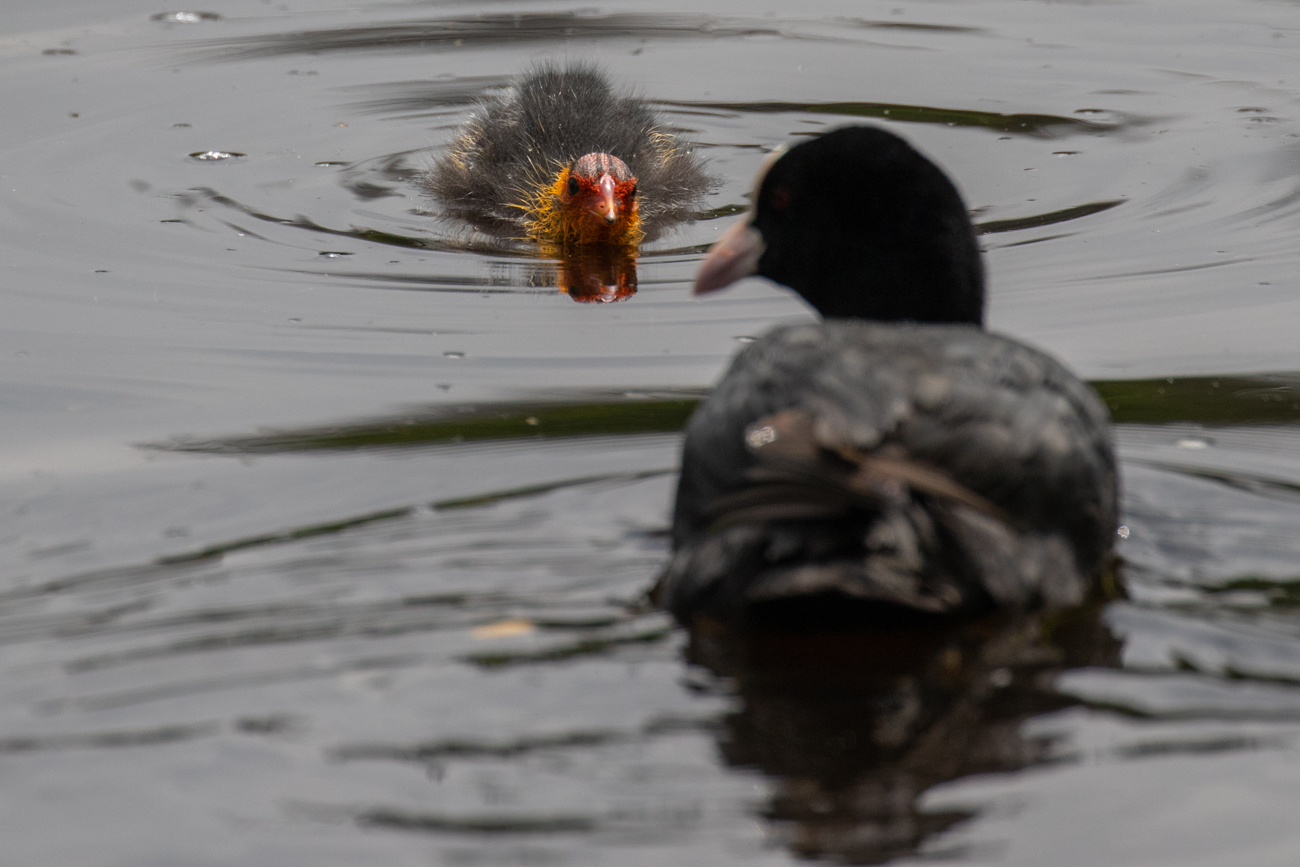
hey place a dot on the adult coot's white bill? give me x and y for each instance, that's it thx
(895, 462)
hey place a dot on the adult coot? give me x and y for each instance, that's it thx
(563, 160)
(894, 463)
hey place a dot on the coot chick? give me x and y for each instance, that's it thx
(563, 160)
(894, 464)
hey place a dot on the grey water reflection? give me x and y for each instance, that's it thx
(599, 275)
(852, 728)
(1037, 125)
(484, 31)
(1235, 401)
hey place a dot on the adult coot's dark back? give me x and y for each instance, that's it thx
(894, 463)
(564, 160)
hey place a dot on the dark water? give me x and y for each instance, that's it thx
(325, 531)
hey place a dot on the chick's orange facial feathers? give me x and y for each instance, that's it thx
(602, 185)
(593, 201)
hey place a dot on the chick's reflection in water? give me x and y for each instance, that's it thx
(852, 727)
(597, 274)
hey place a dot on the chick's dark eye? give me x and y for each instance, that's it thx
(632, 195)
(573, 185)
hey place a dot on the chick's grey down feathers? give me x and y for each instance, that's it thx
(517, 143)
(937, 467)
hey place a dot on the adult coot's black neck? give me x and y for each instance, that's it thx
(863, 226)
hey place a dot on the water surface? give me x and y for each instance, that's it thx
(328, 527)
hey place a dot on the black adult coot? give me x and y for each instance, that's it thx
(563, 160)
(894, 462)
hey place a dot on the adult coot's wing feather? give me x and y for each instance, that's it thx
(937, 468)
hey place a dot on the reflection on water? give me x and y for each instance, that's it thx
(483, 31)
(1272, 399)
(1037, 125)
(854, 727)
(598, 274)
(585, 274)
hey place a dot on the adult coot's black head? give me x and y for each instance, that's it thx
(862, 226)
